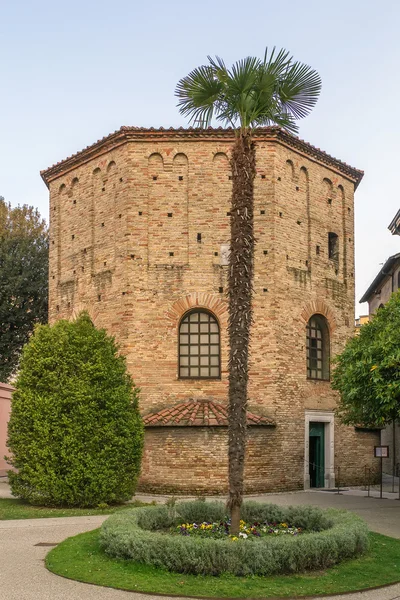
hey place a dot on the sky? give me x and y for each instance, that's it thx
(73, 72)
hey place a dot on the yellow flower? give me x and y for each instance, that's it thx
(234, 538)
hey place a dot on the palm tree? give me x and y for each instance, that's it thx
(253, 93)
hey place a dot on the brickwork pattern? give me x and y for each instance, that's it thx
(136, 229)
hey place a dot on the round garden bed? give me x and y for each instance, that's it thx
(163, 536)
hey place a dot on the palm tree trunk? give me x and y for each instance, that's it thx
(240, 278)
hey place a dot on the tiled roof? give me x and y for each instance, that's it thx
(125, 134)
(199, 413)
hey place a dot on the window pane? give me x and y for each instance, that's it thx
(199, 346)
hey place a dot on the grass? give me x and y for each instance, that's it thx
(11, 508)
(81, 558)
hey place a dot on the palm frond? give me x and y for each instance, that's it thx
(199, 93)
(252, 93)
(299, 89)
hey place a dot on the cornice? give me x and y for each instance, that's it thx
(127, 134)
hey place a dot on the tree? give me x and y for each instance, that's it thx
(23, 280)
(367, 373)
(253, 93)
(75, 433)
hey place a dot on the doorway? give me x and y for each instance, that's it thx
(317, 454)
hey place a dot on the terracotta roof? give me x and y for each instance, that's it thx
(199, 413)
(126, 134)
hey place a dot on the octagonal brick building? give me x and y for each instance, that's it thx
(139, 237)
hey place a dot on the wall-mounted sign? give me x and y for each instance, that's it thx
(381, 451)
(224, 254)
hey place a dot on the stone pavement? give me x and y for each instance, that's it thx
(24, 577)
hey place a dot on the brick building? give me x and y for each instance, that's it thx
(378, 293)
(139, 235)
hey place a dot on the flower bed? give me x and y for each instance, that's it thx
(143, 535)
(247, 530)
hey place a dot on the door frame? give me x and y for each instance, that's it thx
(328, 418)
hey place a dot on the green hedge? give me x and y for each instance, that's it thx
(75, 432)
(133, 535)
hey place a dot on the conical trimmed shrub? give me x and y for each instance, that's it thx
(75, 432)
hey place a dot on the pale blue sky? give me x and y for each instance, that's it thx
(72, 72)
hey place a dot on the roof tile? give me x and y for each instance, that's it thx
(199, 412)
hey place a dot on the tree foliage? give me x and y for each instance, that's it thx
(75, 432)
(367, 373)
(252, 93)
(23, 280)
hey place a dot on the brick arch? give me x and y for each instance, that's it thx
(319, 307)
(92, 312)
(210, 302)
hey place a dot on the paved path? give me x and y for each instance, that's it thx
(24, 577)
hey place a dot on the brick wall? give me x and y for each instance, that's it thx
(137, 224)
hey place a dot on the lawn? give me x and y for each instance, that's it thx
(11, 508)
(81, 558)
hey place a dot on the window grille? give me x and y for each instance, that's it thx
(317, 348)
(199, 346)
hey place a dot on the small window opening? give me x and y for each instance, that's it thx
(262, 176)
(265, 251)
(333, 246)
(317, 249)
(140, 213)
(154, 177)
(74, 202)
(99, 297)
(262, 212)
(73, 236)
(199, 237)
(215, 253)
(180, 178)
(171, 253)
(228, 214)
(329, 200)
(170, 215)
(220, 289)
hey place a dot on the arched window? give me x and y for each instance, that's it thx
(199, 346)
(317, 348)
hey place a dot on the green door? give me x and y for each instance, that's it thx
(317, 455)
